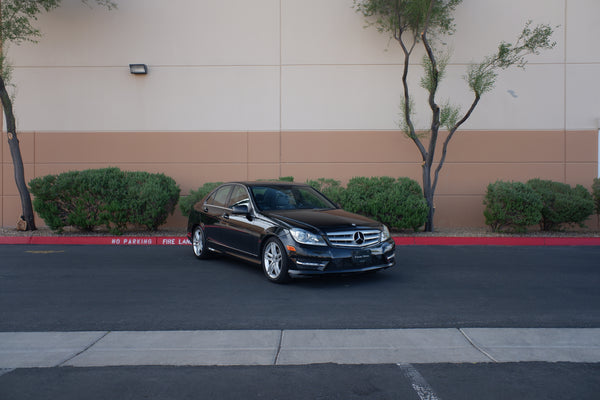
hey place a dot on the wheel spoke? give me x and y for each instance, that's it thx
(198, 242)
(273, 259)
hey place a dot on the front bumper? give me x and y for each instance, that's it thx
(317, 260)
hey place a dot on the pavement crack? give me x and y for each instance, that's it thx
(478, 348)
(62, 363)
(276, 361)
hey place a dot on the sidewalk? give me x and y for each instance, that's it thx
(297, 347)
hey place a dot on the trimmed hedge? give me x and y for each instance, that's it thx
(104, 197)
(596, 195)
(513, 205)
(331, 188)
(398, 203)
(549, 204)
(563, 204)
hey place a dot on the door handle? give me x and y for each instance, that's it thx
(225, 216)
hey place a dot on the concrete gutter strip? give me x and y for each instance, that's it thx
(400, 240)
(297, 347)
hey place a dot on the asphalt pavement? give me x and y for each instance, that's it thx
(161, 306)
(106, 288)
(80, 313)
(489, 381)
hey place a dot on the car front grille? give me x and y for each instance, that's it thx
(354, 238)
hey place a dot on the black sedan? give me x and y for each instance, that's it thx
(291, 229)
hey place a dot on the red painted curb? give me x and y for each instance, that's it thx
(99, 240)
(496, 241)
(400, 240)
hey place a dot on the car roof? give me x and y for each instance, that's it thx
(269, 183)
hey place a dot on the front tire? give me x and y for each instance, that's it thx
(199, 244)
(275, 262)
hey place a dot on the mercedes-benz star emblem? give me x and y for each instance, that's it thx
(359, 238)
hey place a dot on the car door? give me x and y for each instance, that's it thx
(242, 233)
(214, 208)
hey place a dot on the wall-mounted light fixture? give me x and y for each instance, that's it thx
(138, 69)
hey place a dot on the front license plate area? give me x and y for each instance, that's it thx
(361, 257)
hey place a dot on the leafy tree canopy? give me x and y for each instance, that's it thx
(17, 16)
(411, 22)
(396, 17)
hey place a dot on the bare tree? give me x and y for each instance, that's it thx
(414, 23)
(16, 27)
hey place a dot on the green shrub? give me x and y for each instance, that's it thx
(186, 203)
(511, 205)
(104, 197)
(77, 198)
(398, 203)
(596, 194)
(151, 198)
(562, 204)
(329, 187)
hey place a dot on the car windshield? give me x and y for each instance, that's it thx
(279, 197)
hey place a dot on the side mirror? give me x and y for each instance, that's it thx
(240, 210)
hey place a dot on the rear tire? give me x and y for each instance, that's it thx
(275, 262)
(199, 244)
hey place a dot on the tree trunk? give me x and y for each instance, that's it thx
(15, 152)
(428, 193)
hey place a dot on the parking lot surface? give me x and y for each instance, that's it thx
(457, 322)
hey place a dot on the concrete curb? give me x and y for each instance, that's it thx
(496, 241)
(400, 240)
(98, 240)
(298, 347)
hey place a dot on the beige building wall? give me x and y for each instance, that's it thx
(249, 90)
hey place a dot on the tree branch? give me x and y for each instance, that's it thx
(449, 137)
(435, 109)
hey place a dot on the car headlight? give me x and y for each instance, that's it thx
(385, 233)
(304, 237)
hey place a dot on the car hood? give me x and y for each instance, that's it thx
(323, 220)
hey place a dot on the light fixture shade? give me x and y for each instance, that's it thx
(138, 69)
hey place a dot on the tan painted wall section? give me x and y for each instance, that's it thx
(475, 159)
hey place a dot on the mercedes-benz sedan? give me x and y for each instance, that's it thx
(290, 229)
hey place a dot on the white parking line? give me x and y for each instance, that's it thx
(418, 383)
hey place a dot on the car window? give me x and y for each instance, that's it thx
(219, 197)
(239, 197)
(289, 198)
